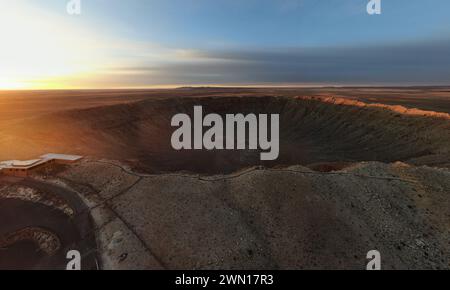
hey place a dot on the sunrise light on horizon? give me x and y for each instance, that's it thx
(142, 44)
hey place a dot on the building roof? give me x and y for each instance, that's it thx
(61, 157)
(28, 164)
(20, 164)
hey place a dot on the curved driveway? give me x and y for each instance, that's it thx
(74, 233)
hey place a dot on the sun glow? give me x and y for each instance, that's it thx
(10, 84)
(39, 50)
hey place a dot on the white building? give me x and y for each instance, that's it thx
(24, 168)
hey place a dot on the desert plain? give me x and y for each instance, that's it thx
(359, 169)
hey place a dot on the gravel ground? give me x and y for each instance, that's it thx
(284, 218)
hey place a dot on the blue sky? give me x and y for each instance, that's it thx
(138, 43)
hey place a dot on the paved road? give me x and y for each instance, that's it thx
(74, 233)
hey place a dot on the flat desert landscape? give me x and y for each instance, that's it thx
(359, 169)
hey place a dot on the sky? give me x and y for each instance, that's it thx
(159, 43)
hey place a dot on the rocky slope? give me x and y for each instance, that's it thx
(285, 218)
(312, 130)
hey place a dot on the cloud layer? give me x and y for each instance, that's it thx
(406, 63)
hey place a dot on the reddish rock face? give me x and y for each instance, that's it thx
(312, 130)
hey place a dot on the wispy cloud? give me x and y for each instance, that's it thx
(228, 42)
(405, 63)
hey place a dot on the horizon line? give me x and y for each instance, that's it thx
(250, 86)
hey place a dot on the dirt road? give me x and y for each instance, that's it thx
(28, 227)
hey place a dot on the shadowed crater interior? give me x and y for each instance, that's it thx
(319, 132)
